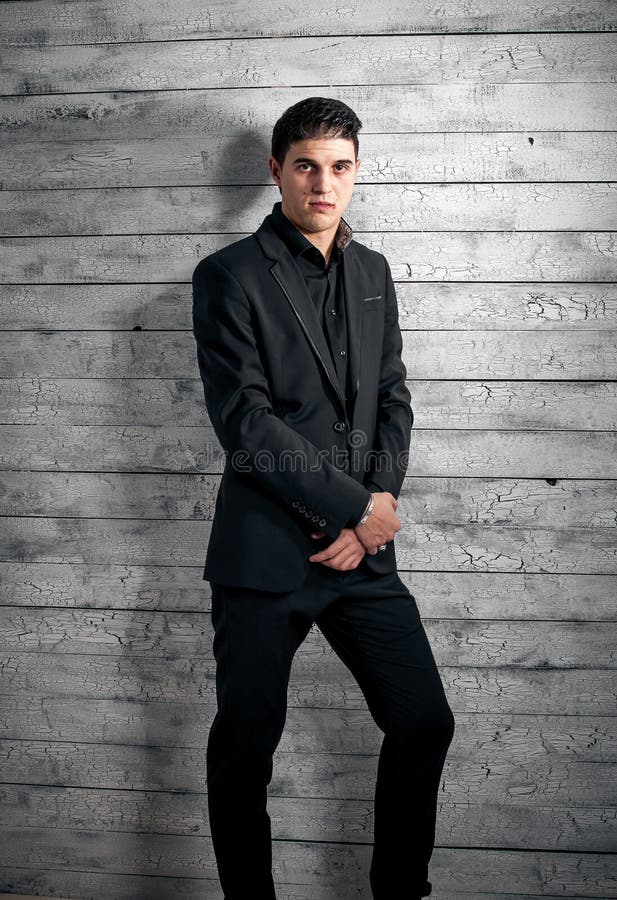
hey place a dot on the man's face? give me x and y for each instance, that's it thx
(316, 180)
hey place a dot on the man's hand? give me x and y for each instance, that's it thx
(381, 525)
(343, 553)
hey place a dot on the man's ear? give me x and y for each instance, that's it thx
(275, 170)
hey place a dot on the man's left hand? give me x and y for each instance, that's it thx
(344, 553)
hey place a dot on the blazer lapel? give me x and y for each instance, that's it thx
(353, 291)
(290, 280)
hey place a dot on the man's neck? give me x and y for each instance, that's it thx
(323, 240)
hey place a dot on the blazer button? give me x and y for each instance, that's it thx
(340, 426)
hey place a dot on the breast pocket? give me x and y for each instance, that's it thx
(374, 302)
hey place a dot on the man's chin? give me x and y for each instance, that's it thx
(322, 219)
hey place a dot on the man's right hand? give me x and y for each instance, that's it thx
(381, 525)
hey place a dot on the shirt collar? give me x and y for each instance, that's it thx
(296, 241)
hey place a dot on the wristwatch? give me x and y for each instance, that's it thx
(367, 511)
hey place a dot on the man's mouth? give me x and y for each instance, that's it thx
(319, 205)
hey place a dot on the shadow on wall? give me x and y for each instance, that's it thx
(168, 668)
(242, 163)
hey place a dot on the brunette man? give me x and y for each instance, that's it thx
(299, 350)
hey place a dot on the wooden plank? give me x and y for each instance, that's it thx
(537, 155)
(539, 871)
(24, 897)
(359, 59)
(492, 548)
(180, 635)
(574, 503)
(108, 20)
(569, 355)
(562, 405)
(108, 886)
(422, 256)
(304, 818)
(435, 452)
(501, 595)
(229, 112)
(318, 832)
(578, 206)
(537, 690)
(564, 783)
(177, 635)
(480, 737)
(434, 306)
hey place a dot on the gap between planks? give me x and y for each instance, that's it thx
(26, 897)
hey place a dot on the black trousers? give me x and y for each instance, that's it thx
(373, 624)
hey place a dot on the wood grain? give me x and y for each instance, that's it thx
(297, 818)
(436, 452)
(575, 503)
(417, 256)
(242, 115)
(541, 690)
(489, 156)
(438, 306)
(134, 140)
(335, 864)
(440, 403)
(97, 886)
(357, 59)
(496, 595)
(375, 207)
(482, 736)
(427, 355)
(189, 635)
(110, 20)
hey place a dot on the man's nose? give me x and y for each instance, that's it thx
(321, 184)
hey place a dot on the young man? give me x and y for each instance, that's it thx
(299, 350)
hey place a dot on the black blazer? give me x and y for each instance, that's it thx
(294, 462)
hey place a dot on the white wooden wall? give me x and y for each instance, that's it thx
(134, 141)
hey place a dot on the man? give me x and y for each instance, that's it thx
(299, 350)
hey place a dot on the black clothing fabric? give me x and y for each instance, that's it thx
(296, 461)
(374, 626)
(325, 284)
(275, 379)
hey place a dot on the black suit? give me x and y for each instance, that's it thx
(273, 397)
(272, 391)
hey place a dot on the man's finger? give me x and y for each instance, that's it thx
(341, 558)
(330, 551)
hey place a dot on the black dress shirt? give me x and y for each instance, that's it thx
(325, 284)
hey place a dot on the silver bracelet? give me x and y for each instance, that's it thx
(367, 511)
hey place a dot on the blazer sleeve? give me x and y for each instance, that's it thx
(394, 412)
(239, 405)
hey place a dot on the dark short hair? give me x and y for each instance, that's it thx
(312, 118)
